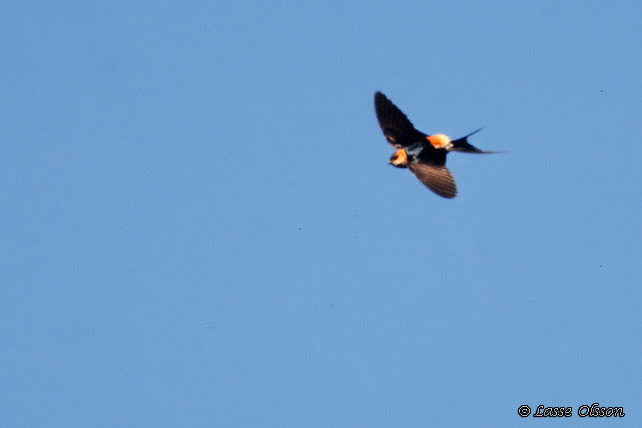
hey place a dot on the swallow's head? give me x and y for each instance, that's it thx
(440, 141)
(399, 159)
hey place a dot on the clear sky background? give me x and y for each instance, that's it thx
(198, 225)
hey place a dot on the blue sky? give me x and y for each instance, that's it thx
(199, 226)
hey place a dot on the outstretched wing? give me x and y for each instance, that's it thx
(398, 130)
(436, 178)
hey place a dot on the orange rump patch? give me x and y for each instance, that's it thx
(439, 141)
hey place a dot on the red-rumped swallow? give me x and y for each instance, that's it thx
(424, 155)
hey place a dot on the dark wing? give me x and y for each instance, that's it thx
(435, 177)
(398, 130)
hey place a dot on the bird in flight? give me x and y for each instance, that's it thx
(424, 155)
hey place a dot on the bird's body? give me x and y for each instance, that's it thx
(424, 155)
